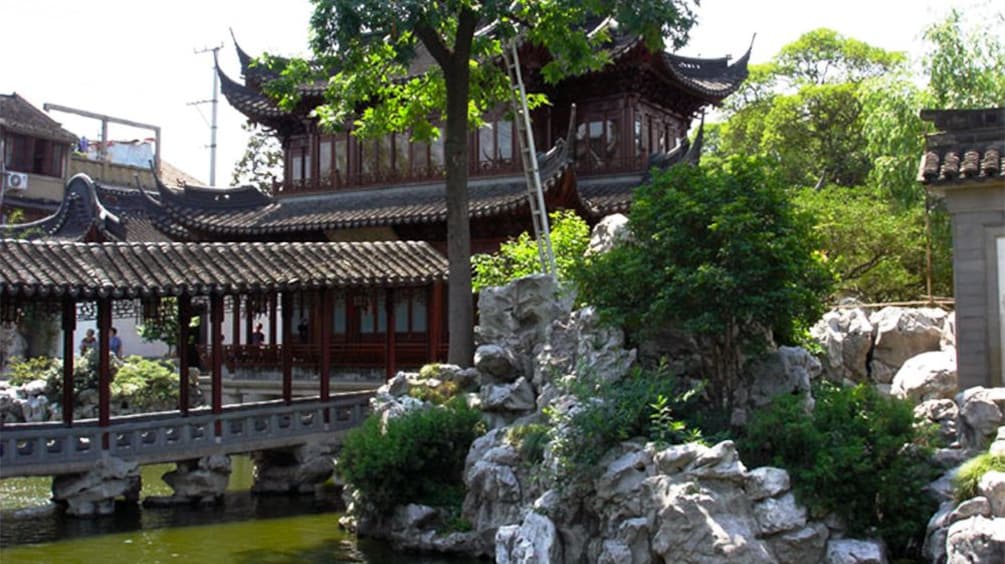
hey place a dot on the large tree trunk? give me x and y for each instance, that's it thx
(461, 313)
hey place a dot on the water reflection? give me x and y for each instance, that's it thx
(244, 529)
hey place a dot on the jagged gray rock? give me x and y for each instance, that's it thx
(94, 492)
(992, 487)
(776, 515)
(766, 482)
(976, 540)
(788, 370)
(927, 376)
(980, 415)
(850, 551)
(801, 546)
(846, 336)
(609, 232)
(298, 469)
(202, 480)
(902, 333)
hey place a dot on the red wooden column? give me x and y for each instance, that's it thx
(216, 337)
(249, 315)
(236, 321)
(104, 368)
(273, 319)
(434, 320)
(184, 318)
(327, 306)
(389, 341)
(69, 324)
(287, 350)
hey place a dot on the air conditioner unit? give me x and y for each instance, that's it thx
(17, 181)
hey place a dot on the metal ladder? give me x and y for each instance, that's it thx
(528, 156)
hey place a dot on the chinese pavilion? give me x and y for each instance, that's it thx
(603, 132)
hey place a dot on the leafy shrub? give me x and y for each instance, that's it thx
(529, 440)
(857, 454)
(23, 371)
(570, 236)
(415, 458)
(138, 384)
(720, 251)
(146, 385)
(610, 413)
(970, 474)
(439, 395)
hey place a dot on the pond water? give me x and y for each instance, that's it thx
(245, 529)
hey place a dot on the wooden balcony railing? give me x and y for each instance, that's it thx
(308, 357)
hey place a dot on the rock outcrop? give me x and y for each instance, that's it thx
(201, 480)
(300, 469)
(94, 492)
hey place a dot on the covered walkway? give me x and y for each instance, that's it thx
(182, 278)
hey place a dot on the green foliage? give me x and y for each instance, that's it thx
(364, 49)
(146, 385)
(165, 327)
(414, 459)
(261, 165)
(570, 236)
(609, 413)
(438, 395)
(23, 371)
(964, 63)
(969, 475)
(722, 252)
(803, 109)
(829, 110)
(138, 385)
(529, 440)
(884, 264)
(858, 454)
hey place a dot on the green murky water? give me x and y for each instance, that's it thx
(246, 529)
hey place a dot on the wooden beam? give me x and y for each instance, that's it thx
(216, 337)
(184, 318)
(235, 322)
(104, 367)
(273, 318)
(287, 350)
(249, 316)
(435, 321)
(69, 324)
(389, 342)
(327, 306)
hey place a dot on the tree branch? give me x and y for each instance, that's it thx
(466, 22)
(434, 43)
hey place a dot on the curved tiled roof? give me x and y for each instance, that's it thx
(969, 147)
(42, 269)
(249, 102)
(604, 195)
(714, 78)
(246, 211)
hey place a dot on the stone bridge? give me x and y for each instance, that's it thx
(50, 449)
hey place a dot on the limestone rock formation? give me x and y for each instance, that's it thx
(202, 480)
(927, 376)
(900, 334)
(94, 492)
(609, 232)
(298, 469)
(846, 336)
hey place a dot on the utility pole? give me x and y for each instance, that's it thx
(214, 102)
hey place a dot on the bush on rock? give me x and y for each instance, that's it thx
(858, 455)
(417, 457)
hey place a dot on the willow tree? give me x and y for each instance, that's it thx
(372, 54)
